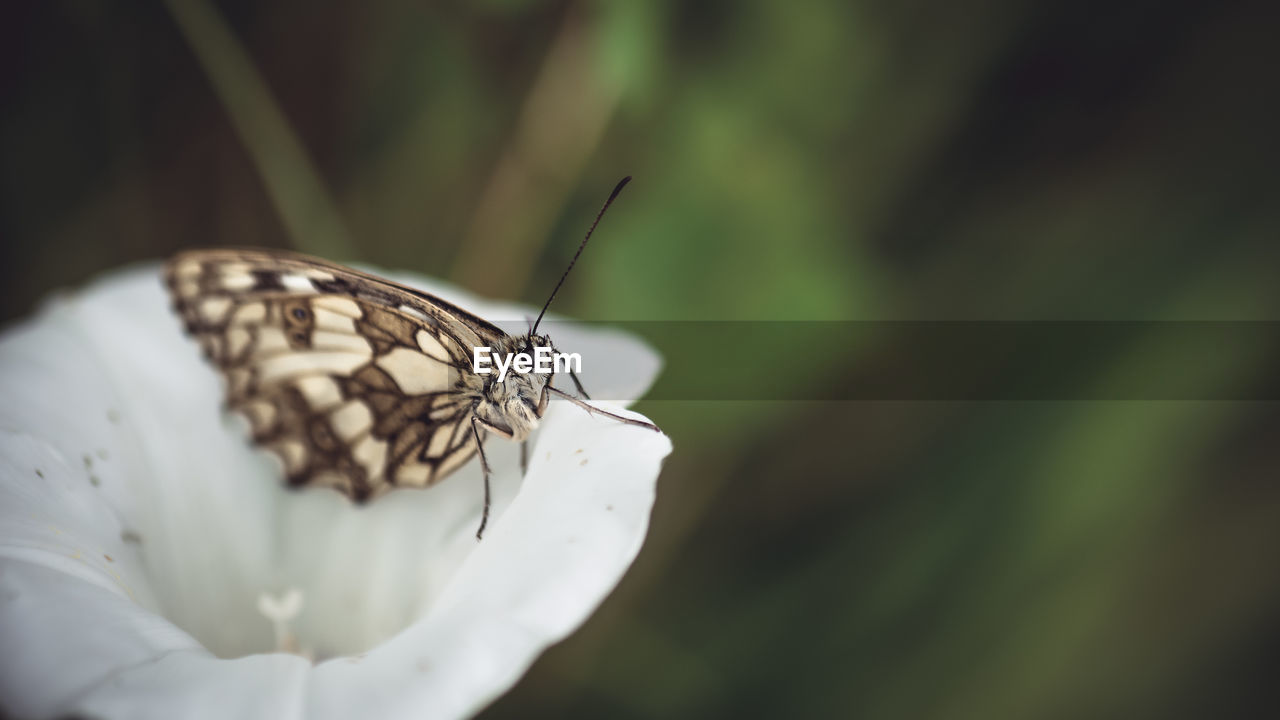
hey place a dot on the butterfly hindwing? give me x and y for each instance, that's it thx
(349, 379)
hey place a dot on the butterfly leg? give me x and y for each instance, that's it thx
(524, 458)
(484, 467)
(597, 411)
(577, 384)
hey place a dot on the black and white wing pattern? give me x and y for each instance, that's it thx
(355, 382)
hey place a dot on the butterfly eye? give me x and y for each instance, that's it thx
(299, 314)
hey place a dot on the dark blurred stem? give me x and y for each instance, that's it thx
(560, 125)
(308, 213)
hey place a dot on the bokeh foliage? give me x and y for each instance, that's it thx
(819, 160)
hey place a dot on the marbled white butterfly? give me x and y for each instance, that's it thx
(356, 382)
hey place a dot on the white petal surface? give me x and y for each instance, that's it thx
(561, 546)
(151, 512)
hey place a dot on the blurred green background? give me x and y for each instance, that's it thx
(825, 160)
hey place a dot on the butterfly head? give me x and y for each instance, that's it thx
(514, 405)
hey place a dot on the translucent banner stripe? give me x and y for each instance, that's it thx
(947, 360)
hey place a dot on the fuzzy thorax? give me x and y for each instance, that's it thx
(512, 407)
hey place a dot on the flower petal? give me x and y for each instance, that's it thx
(106, 374)
(560, 547)
(71, 595)
(196, 685)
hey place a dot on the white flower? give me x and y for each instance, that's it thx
(151, 564)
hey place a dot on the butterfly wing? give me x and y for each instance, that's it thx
(350, 379)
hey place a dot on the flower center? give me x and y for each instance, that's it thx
(223, 547)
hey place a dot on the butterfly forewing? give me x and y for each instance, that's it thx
(350, 379)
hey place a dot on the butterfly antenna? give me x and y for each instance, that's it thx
(617, 189)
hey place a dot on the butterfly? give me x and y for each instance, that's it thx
(356, 382)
